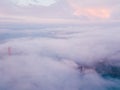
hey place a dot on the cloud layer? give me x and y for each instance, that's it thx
(51, 62)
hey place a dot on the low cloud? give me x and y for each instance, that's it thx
(53, 62)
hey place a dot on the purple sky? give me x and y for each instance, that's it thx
(59, 11)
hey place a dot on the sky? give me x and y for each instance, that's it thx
(59, 11)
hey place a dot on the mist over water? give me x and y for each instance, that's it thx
(60, 58)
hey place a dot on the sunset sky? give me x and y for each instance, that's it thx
(59, 11)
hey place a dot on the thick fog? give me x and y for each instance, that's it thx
(54, 58)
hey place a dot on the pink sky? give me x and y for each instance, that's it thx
(59, 11)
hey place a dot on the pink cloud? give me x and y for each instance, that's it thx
(101, 13)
